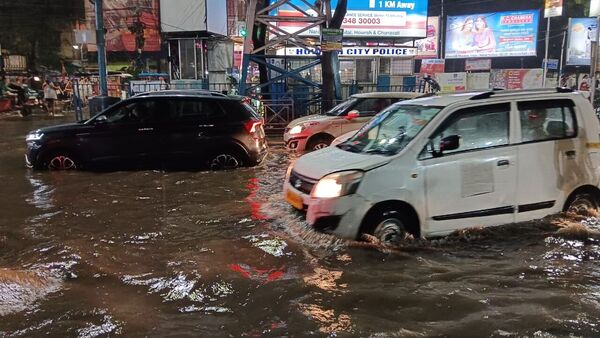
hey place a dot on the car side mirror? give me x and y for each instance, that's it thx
(102, 119)
(352, 115)
(450, 143)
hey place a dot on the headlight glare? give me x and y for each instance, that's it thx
(35, 136)
(338, 184)
(296, 130)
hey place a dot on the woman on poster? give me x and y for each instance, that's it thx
(484, 36)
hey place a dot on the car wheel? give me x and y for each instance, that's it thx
(225, 161)
(319, 142)
(388, 226)
(582, 202)
(62, 161)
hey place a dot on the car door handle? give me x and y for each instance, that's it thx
(206, 125)
(503, 163)
(571, 153)
(145, 129)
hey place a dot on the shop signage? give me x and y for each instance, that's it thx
(492, 35)
(331, 39)
(355, 51)
(478, 64)
(433, 66)
(553, 8)
(552, 64)
(582, 31)
(364, 18)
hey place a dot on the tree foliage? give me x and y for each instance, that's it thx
(33, 27)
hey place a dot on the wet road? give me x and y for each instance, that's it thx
(154, 253)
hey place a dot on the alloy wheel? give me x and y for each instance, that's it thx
(61, 162)
(224, 162)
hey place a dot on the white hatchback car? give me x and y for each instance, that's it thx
(429, 166)
(315, 132)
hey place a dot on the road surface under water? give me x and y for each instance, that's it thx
(152, 253)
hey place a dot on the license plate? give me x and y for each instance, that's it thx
(294, 200)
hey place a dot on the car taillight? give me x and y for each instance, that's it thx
(253, 127)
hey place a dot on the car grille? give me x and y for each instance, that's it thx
(304, 184)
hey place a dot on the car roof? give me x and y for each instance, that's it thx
(443, 100)
(185, 92)
(388, 95)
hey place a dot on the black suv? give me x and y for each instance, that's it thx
(190, 128)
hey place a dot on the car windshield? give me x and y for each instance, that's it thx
(341, 108)
(391, 130)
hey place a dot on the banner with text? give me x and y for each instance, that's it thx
(433, 66)
(492, 35)
(356, 51)
(553, 8)
(517, 78)
(427, 48)
(478, 64)
(452, 82)
(364, 18)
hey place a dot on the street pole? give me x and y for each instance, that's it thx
(442, 24)
(546, 54)
(562, 56)
(594, 53)
(101, 48)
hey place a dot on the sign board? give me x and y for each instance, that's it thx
(427, 48)
(364, 18)
(433, 66)
(478, 64)
(553, 8)
(357, 51)
(125, 23)
(595, 8)
(84, 36)
(492, 35)
(552, 64)
(452, 82)
(478, 81)
(331, 39)
(582, 31)
(517, 78)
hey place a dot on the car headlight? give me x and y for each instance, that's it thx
(338, 184)
(296, 130)
(34, 136)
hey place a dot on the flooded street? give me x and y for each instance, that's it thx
(153, 253)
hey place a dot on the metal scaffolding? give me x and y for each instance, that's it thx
(278, 37)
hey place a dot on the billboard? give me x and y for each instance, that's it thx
(492, 35)
(364, 18)
(126, 22)
(581, 33)
(433, 66)
(427, 48)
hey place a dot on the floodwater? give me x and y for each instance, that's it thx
(152, 253)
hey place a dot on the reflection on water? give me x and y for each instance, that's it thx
(221, 254)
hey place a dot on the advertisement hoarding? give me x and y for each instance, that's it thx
(428, 47)
(433, 66)
(517, 78)
(553, 8)
(126, 22)
(478, 64)
(452, 82)
(582, 31)
(492, 35)
(365, 18)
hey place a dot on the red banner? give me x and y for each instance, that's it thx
(128, 24)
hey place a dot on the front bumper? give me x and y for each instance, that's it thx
(295, 142)
(340, 216)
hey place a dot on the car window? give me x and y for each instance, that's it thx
(546, 120)
(371, 107)
(135, 112)
(478, 127)
(198, 111)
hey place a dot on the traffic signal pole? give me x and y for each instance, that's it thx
(101, 48)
